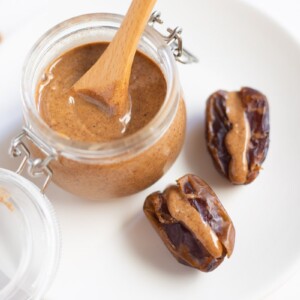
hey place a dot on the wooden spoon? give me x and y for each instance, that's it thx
(106, 82)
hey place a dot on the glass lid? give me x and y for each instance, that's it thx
(29, 239)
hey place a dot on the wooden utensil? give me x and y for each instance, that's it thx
(106, 82)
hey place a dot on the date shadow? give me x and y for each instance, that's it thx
(150, 249)
(197, 157)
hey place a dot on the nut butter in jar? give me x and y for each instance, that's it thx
(109, 168)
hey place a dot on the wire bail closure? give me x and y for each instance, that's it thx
(174, 40)
(36, 167)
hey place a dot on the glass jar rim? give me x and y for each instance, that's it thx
(112, 150)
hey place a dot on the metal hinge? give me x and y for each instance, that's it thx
(36, 167)
(174, 40)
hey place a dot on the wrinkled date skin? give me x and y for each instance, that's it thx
(256, 110)
(192, 223)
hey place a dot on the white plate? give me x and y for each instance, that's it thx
(109, 249)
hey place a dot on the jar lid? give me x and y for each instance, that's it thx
(30, 243)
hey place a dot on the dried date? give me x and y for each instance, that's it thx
(192, 223)
(237, 133)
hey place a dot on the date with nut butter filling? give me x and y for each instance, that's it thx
(237, 133)
(192, 223)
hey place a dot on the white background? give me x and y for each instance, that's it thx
(285, 12)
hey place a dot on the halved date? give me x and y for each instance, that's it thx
(192, 223)
(237, 133)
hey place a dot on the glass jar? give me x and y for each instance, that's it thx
(28, 223)
(30, 242)
(119, 167)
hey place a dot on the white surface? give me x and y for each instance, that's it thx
(109, 249)
(286, 13)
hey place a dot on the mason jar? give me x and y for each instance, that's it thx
(28, 223)
(118, 167)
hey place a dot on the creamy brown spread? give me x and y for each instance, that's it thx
(237, 139)
(182, 211)
(75, 118)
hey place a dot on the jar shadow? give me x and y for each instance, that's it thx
(150, 249)
(54, 190)
(198, 159)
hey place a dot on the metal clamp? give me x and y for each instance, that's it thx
(174, 40)
(36, 166)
